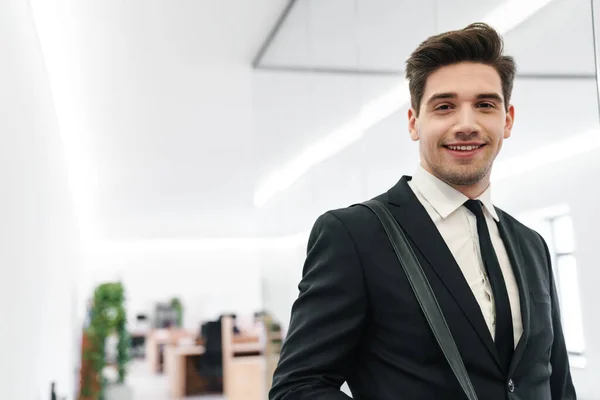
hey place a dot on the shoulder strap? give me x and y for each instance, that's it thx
(424, 293)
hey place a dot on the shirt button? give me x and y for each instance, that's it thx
(511, 385)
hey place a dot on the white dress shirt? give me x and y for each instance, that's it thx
(458, 227)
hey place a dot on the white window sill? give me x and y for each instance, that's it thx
(577, 361)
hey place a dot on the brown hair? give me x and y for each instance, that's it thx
(477, 42)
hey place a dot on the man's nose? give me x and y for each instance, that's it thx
(467, 122)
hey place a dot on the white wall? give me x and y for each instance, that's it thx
(37, 236)
(209, 282)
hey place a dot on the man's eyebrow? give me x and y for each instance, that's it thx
(490, 96)
(452, 95)
(441, 96)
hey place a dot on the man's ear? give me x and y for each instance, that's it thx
(510, 120)
(412, 124)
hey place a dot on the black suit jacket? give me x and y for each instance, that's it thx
(356, 318)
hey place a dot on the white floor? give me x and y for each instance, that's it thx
(147, 386)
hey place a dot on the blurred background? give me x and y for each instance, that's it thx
(162, 163)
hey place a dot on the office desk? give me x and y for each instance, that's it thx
(181, 375)
(158, 339)
(176, 365)
(244, 365)
(246, 377)
(246, 348)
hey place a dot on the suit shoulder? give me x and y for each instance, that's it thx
(526, 233)
(353, 215)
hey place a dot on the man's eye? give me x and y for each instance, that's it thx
(486, 105)
(443, 107)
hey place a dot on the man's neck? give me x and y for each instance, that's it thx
(473, 191)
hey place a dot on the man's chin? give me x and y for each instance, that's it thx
(463, 176)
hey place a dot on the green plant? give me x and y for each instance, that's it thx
(108, 316)
(178, 307)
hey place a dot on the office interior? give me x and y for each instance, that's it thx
(167, 159)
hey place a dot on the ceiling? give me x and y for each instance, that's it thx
(182, 128)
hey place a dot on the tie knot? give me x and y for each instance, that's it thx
(475, 207)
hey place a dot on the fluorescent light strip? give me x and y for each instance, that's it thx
(504, 18)
(512, 13)
(54, 28)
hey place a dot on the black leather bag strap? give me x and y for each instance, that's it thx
(424, 293)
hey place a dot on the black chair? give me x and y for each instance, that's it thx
(210, 364)
(202, 330)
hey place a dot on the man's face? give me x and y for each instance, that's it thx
(462, 123)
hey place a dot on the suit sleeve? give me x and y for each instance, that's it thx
(561, 383)
(326, 320)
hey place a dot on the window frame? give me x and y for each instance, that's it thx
(556, 256)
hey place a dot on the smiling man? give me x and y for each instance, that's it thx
(357, 320)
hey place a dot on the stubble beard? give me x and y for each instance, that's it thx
(461, 174)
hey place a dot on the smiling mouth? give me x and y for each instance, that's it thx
(465, 148)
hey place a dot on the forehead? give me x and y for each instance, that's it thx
(465, 79)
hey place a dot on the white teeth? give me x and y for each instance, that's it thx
(463, 148)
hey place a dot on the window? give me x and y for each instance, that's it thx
(556, 227)
(565, 270)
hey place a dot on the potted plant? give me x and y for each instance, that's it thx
(107, 317)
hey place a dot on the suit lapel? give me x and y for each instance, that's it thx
(417, 224)
(513, 248)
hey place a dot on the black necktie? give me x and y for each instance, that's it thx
(504, 338)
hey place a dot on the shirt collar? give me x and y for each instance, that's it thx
(444, 198)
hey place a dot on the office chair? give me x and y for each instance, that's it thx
(202, 330)
(210, 364)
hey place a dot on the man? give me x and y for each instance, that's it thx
(356, 319)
